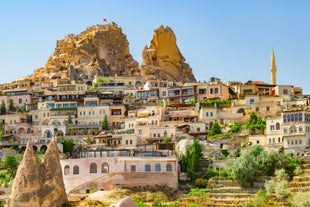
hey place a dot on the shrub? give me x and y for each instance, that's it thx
(201, 183)
(259, 200)
(300, 199)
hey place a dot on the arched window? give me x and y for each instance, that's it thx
(67, 170)
(168, 167)
(157, 167)
(105, 168)
(284, 118)
(147, 168)
(93, 168)
(292, 117)
(300, 117)
(76, 170)
(288, 118)
(277, 126)
(296, 117)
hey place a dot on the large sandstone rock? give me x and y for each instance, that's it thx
(125, 202)
(39, 184)
(99, 50)
(163, 59)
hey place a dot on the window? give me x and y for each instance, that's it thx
(288, 142)
(140, 132)
(285, 130)
(105, 168)
(292, 117)
(157, 167)
(300, 142)
(257, 109)
(76, 170)
(277, 126)
(126, 142)
(67, 170)
(300, 117)
(93, 168)
(20, 101)
(296, 117)
(147, 168)
(285, 91)
(168, 167)
(300, 128)
(207, 114)
(198, 129)
(271, 127)
(132, 168)
(211, 114)
(130, 141)
(269, 140)
(267, 108)
(284, 118)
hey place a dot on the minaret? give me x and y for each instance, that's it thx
(273, 69)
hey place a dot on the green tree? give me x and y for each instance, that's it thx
(10, 162)
(105, 123)
(235, 127)
(69, 120)
(255, 124)
(3, 108)
(244, 169)
(68, 145)
(192, 101)
(215, 129)
(190, 162)
(11, 105)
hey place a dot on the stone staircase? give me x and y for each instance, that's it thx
(225, 192)
(301, 183)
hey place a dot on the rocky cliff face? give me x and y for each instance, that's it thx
(101, 49)
(39, 184)
(163, 59)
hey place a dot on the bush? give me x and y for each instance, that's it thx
(300, 199)
(259, 200)
(201, 183)
(281, 190)
(279, 185)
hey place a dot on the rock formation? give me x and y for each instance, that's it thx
(125, 202)
(163, 59)
(101, 50)
(39, 184)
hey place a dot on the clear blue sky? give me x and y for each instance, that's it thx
(228, 39)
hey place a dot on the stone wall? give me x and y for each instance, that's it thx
(118, 171)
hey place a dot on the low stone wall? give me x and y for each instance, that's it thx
(112, 172)
(111, 181)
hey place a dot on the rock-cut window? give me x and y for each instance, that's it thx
(105, 168)
(147, 168)
(157, 167)
(93, 168)
(67, 170)
(168, 167)
(76, 170)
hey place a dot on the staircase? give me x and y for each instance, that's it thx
(301, 183)
(225, 192)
